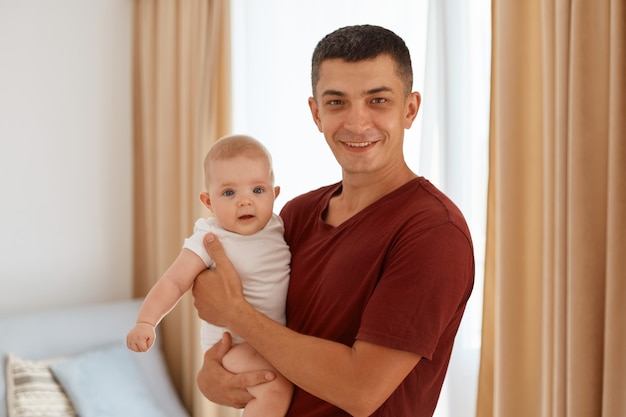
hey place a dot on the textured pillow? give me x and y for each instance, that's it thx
(106, 382)
(32, 390)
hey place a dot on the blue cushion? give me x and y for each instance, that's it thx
(106, 382)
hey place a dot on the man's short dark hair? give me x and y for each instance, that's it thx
(362, 42)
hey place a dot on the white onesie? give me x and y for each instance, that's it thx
(262, 261)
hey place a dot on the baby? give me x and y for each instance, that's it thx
(240, 193)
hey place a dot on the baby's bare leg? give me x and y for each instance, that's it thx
(271, 399)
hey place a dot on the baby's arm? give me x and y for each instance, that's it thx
(162, 298)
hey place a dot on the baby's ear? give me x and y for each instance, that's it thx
(206, 200)
(276, 191)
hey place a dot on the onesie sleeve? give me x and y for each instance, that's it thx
(194, 242)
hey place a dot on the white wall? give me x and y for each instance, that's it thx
(65, 152)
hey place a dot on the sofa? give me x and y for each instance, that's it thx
(74, 361)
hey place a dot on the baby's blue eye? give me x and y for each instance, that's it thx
(258, 190)
(228, 193)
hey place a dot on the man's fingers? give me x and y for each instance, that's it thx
(221, 386)
(215, 249)
(223, 346)
(252, 378)
(245, 379)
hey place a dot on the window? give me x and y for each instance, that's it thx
(450, 48)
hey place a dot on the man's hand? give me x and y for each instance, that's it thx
(223, 387)
(217, 291)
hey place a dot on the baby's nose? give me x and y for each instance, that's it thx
(244, 202)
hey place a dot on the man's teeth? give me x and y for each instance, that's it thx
(359, 144)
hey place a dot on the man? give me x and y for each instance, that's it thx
(382, 262)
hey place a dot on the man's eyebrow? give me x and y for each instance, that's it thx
(383, 89)
(333, 93)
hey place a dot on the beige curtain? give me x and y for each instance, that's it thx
(181, 93)
(554, 331)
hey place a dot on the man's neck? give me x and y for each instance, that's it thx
(359, 192)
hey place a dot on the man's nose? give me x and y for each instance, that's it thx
(357, 119)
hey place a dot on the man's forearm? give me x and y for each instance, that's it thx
(357, 379)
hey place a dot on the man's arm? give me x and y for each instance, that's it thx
(357, 379)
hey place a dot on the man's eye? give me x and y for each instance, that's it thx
(228, 193)
(379, 100)
(258, 190)
(335, 102)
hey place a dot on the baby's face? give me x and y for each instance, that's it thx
(241, 193)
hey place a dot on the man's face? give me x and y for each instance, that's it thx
(241, 193)
(362, 110)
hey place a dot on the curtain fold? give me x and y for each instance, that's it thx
(555, 291)
(614, 371)
(181, 97)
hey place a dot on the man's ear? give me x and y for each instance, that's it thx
(315, 112)
(276, 191)
(206, 200)
(413, 106)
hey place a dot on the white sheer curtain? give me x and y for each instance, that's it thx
(449, 41)
(454, 156)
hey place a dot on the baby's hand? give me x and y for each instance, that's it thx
(141, 337)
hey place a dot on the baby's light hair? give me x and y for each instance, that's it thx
(236, 145)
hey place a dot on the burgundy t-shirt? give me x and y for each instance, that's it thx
(397, 274)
